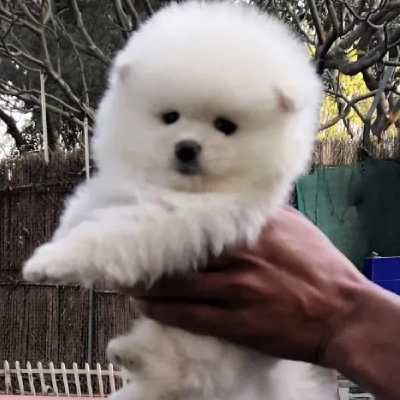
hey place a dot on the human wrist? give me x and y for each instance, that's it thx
(363, 347)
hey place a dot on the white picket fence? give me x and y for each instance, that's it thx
(60, 382)
(87, 382)
(349, 391)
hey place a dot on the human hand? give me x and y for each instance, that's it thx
(288, 296)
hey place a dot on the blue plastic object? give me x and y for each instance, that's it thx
(384, 271)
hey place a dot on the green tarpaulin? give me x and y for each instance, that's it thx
(357, 207)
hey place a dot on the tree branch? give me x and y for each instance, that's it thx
(92, 46)
(317, 20)
(346, 110)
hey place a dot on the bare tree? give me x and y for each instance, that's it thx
(73, 41)
(337, 28)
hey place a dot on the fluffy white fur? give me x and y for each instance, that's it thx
(139, 217)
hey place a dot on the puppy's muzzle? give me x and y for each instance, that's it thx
(187, 154)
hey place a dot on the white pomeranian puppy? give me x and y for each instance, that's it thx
(209, 117)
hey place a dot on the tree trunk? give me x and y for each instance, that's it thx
(14, 132)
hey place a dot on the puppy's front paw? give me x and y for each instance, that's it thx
(53, 263)
(121, 353)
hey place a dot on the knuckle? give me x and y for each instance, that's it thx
(244, 284)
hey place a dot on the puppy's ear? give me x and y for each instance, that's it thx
(123, 70)
(287, 102)
(122, 67)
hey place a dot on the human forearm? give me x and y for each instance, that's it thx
(366, 348)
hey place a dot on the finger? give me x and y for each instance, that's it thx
(294, 217)
(276, 232)
(202, 285)
(286, 229)
(196, 318)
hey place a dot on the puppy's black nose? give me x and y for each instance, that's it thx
(186, 151)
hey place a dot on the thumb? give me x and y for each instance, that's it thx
(201, 319)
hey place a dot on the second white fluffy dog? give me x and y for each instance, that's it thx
(210, 115)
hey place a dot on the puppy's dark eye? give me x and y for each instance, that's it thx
(225, 126)
(170, 117)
